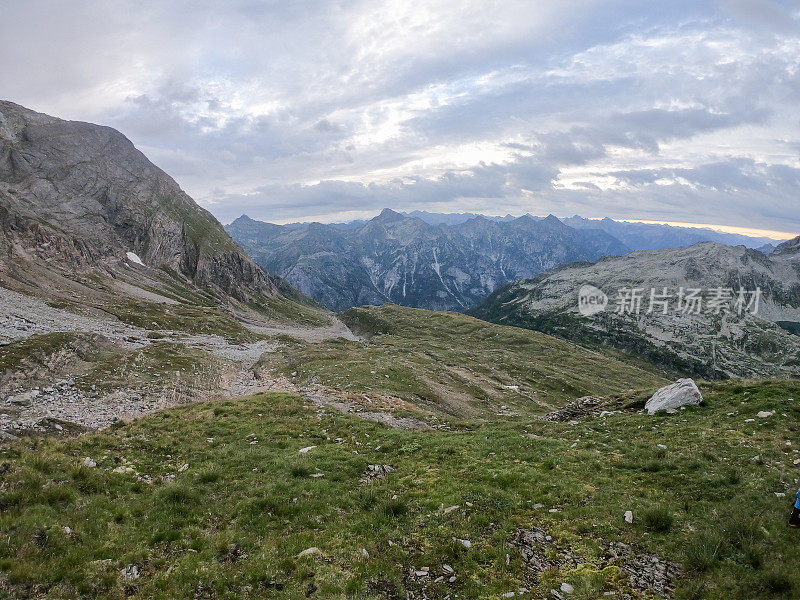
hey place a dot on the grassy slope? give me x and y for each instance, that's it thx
(160, 367)
(456, 365)
(231, 525)
(195, 311)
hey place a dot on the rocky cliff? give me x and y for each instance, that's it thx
(77, 196)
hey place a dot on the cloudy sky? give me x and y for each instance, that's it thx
(681, 111)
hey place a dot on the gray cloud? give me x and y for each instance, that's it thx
(682, 111)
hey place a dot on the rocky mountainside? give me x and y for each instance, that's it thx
(77, 198)
(710, 337)
(404, 260)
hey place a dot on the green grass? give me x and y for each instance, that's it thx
(181, 317)
(173, 367)
(290, 307)
(232, 525)
(33, 349)
(457, 366)
(103, 366)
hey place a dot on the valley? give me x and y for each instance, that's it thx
(177, 422)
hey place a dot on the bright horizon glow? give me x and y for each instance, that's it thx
(748, 231)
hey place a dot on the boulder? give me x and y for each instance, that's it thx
(681, 393)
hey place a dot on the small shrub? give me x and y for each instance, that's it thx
(208, 477)
(409, 448)
(367, 499)
(58, 495)
(658, 519)
(394, 508)
(733, 477)
(300, 470)
(652, 466)
(778, 584)
(702, 552)
(177, 495)
(166, 535)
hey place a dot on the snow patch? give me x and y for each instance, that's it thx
(134, 258)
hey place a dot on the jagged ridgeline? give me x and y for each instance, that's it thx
(404, 260)
(86, 216)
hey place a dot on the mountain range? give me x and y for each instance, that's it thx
(443, 261)
(636, 236)
(404, 260)
(652, 236)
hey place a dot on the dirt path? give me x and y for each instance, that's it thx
(62, 406)
(313, 335)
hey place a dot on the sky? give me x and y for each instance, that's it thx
(673, 111)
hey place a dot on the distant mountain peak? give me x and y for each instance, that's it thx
(409, 261)
(552, 219)
(389, 214)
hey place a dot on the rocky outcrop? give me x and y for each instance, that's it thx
(75, 196)
(698, 340)
(683, 392)
(789, 248)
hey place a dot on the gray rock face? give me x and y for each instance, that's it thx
(700, 343)
(404, 260)
(75, 196)
(683, 392)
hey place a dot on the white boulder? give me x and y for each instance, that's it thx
(681, 393)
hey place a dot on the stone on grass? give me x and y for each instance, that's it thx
(683, 392)
(305, 450)
(567, 588)
(130, 572)
(309, 551)
(628, 516)
(763, 414)
(88, 462)
(373, 472)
